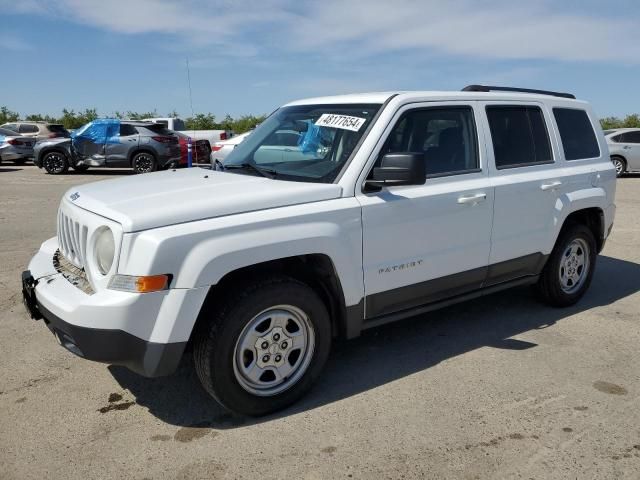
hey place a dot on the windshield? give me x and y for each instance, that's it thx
(309, 143)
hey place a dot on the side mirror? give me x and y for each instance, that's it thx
(407, 168)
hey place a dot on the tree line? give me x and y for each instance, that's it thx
(200, 121)
(207, 121)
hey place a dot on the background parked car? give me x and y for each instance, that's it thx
(143, 146)
(221, 149)
(38, 130)
(14, 146)
(200, 149)
(178, 125)
(624, 149)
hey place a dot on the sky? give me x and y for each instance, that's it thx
(249, 57)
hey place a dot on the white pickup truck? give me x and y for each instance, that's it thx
(390, 205)
(178, 125)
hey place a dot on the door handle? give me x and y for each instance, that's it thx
(550, 186)
(473, 199)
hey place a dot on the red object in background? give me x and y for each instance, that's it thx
(200, 152)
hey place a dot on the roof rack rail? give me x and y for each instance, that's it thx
(487, 88)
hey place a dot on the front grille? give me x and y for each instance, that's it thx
(72, 239)
(76, 276)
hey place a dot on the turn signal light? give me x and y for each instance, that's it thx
(143, 284)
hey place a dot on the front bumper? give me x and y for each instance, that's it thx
(137, 331)
(109, 346)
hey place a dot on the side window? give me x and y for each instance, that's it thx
(519, 136)
(27, 128)
(446, 136)
(576, 132)
(632, 137)
(618, 138)
(126, 130)
(11, 126)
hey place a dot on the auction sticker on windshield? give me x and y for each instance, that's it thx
(344, 122)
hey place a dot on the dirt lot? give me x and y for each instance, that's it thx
(501, 387)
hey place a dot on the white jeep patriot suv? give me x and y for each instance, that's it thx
(385, 206)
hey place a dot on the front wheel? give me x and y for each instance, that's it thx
(264, 348)
(144, 162)
(55, 163)
(569, 270)
(620, 165)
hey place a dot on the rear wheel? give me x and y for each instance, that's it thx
(55, 163)
(620, 165)
(264, 348)
(569, 270)
(144, 162)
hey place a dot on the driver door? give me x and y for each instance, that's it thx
(428, 242)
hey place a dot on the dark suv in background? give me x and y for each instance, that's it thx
(143, 146)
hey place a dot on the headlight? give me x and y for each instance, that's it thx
(105, 250)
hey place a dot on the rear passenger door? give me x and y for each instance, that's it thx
(118, 148)
(424, 243)
(528, 183)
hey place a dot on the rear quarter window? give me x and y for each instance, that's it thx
(159, 129)
(576, 132)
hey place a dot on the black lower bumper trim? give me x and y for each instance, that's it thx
(116, 347)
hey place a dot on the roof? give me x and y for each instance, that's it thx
(615, 131)
(139, 123)
(427, 95)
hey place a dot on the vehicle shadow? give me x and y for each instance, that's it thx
(6, 169)
(390, 352)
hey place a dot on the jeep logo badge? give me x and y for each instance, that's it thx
(74, 196)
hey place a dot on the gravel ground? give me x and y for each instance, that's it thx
(499, 387)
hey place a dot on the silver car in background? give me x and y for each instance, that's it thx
(220, 150)
(624, 149)
(14, 147)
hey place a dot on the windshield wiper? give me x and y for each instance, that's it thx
(265, 172)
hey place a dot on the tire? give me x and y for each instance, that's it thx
(620, 165)
(285, 316)
(144, 162)
(569, 270)
(81, 168)
(55, 163)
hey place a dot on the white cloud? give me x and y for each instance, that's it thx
(497, 30)
(14, 43)
(351, 29)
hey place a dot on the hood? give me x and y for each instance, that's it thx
(152, 200)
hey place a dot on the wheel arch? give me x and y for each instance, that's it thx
(42, 153)
(315, 270)
(142, 149)
(621, 157)
(593, 218)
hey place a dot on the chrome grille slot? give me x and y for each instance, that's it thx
(76, 276)
(72, 239)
